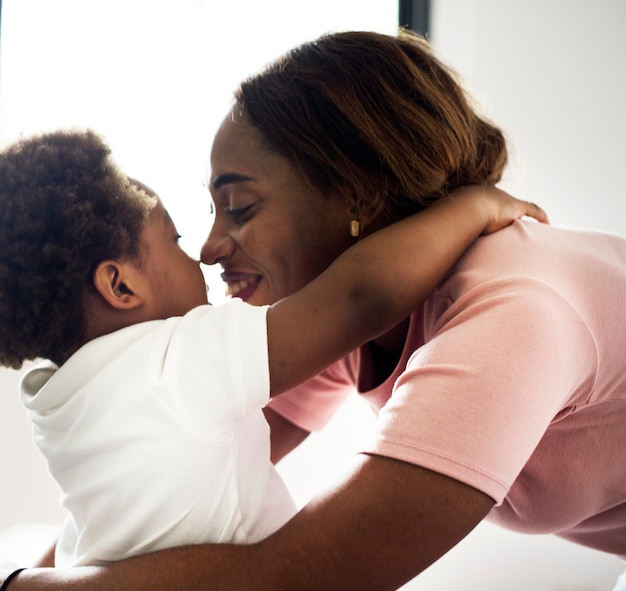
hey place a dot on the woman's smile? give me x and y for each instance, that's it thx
(240, 285)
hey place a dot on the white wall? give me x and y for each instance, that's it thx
(552, 73)
(27, 493)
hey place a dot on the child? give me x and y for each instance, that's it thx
(148, 409)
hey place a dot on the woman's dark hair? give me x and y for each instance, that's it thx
(64, 208)
(377, 117)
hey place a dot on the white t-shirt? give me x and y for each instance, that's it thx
(156, 437)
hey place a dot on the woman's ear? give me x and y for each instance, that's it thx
(366, 214)
(116, 282)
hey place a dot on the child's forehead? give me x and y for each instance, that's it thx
(158, 213)
(143, 187)
(148, 196)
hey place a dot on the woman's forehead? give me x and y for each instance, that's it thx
(238, 148)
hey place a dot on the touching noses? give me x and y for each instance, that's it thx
(216, 247)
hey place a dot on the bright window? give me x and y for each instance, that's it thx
(154, 77)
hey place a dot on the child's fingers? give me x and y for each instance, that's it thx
(534, 211)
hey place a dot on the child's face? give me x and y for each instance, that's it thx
(174, 282)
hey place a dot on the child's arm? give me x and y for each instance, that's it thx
(379, 281)
(47, 559)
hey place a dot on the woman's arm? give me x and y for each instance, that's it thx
(379, 281)
(380, 526)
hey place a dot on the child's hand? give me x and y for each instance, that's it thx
(501, 209)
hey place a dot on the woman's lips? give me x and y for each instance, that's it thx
(240, 285)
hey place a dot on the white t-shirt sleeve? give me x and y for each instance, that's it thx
(211, 366)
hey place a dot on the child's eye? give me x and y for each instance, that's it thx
(240, 215)
(177, 238)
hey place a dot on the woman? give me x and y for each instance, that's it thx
(504, 396)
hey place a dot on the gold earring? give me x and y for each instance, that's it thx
(355, 228)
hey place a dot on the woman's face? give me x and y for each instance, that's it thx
(272, 233)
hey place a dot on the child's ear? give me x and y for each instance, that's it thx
(116, 282)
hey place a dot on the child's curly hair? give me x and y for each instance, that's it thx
(64, 208)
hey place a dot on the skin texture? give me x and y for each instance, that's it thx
(130, 291)
(268, 222)
(167, 265)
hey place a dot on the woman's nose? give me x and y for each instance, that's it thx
(217, 246)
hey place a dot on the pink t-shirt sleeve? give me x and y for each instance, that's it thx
(499, 364)
(311, 405)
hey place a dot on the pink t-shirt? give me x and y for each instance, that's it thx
(513, 381)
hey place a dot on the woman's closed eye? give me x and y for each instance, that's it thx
(240, 215)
